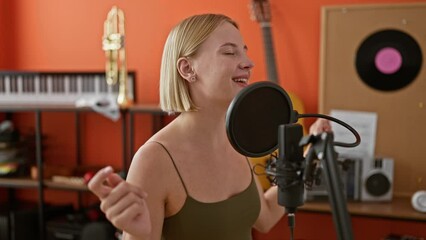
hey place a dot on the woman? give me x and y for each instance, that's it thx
(187, 182)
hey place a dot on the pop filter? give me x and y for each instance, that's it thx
(253, 118)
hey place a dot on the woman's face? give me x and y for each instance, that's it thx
(222, 67)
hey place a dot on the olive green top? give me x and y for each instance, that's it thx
(231, 219)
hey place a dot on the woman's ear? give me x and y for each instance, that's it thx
(185, 69)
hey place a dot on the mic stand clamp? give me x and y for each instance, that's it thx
(322, 150)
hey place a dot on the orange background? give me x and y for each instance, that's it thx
(65, 35)
(51, 35)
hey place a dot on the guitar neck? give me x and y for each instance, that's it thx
(269, 52)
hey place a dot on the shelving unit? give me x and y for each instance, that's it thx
(127, 126)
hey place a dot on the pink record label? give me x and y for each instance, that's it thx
(388, 60)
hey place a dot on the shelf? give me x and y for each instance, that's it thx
(65, 186)
(140, 108)
(400, 208)
(30, 107)
(147, 108)
(18, 182)
(127, 138)
(31, 183)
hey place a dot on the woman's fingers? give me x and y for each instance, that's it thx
(134, 220)
(319, 126)
(121, 205)
(124, 204)
(122, 192)
(114, 179)
(97, 183)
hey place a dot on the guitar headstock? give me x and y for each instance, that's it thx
(260, 11)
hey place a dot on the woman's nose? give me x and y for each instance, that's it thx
(247, 63)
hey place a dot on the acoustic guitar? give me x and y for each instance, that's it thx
(260, 11)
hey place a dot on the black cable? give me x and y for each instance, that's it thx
(291, 223)
(347, 126)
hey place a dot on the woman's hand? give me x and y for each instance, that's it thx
(123, 204)
(319, 126)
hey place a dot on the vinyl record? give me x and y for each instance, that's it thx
(388, 60)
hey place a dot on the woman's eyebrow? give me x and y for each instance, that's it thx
(233, 45)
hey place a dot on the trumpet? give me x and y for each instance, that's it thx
(113, 43)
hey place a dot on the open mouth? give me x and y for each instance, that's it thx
(243, 81)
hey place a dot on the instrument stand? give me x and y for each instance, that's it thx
(322, 148)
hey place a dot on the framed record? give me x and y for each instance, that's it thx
(372, 60)
(388, 60)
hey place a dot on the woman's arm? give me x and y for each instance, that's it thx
(124, 204)
(270, 211)
(135, 205)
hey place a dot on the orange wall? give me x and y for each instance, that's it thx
(7, 34)
(66, 35)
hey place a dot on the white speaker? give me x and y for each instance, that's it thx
(419, 201)
(377, 180)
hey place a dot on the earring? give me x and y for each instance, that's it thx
(194, 75)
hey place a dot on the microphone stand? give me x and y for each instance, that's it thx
(322, 148)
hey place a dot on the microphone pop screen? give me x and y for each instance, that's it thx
(253, 118)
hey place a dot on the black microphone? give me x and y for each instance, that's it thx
(290, 167)
(260, 120)
(253, 118)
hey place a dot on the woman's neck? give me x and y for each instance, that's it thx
(204, 125)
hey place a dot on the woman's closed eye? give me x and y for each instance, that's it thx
(231, 53)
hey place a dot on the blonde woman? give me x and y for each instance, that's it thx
(187, 182)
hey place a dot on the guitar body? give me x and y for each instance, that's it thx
(298, 106)
(260, 12)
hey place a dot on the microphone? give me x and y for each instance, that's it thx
(253, 117)
(290, 167)
(261, 119)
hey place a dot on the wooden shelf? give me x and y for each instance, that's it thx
(400, 208)
(65, 186)
(31, 183)
(141, 108)
(29, 107)
(38, 110)
(147, 108)
(18, 182)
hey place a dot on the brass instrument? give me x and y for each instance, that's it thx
(114, 47)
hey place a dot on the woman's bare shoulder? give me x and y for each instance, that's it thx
(149, 157)
(153, 151)
(153, 159)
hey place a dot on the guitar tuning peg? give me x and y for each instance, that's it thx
(251, 11)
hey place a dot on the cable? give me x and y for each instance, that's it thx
(291, 222)
(347, 126)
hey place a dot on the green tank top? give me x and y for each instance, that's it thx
(230, 219)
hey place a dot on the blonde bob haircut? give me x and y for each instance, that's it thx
(183, 41)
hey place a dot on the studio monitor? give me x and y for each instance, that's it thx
(418, 200)
(377, 180)
(350, 172)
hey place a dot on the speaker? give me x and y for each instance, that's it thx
(377, 180)
(418, 200)
(350, 169)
